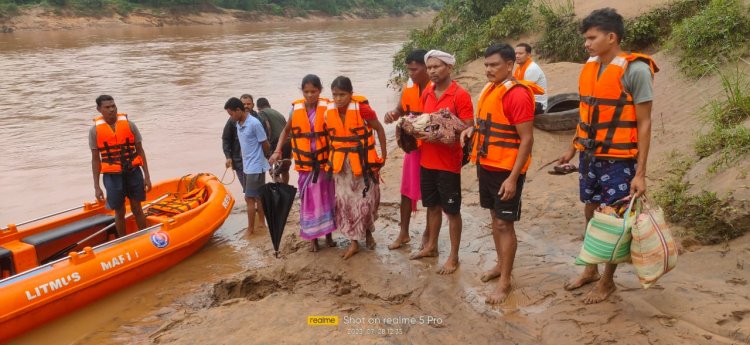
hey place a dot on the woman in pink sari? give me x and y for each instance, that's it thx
(306, 128)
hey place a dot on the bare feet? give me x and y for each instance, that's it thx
(491, 274)
(425, 240)
(600, 292)
(581, 280)
(329, 241)
(314, 245)
(369, 240)
(399, 242)
(450, 266)
(424, 253)
(353, 249)
(500, 294)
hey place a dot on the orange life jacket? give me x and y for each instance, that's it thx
(179, 204)
(352, 139)
(520, 70)
(302, 135)
(116, 147)
(497, 141)
(411, 99)
(608, 126)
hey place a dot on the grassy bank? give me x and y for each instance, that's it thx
(465, 28)
(364, 8)
(704, 35)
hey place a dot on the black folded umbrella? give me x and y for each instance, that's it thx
(277, 201)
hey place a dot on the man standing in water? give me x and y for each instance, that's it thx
(440, 164)
(249, 105)
(255, 149)
(614, 132)
(411, 103)
(502, 152)
(117, 153)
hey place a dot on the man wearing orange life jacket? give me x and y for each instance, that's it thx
(614, 133)
(117, 153)
(528, 70)
(502, 152)
(411, 103)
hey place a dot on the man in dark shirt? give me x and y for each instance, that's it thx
(231, 145)
(276, 122)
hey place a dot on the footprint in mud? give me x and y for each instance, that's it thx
(666, 320)
(737, 281)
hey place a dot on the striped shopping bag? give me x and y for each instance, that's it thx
(608, 238)
(653, 250)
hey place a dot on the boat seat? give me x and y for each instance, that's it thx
(53, 240)
(6, 263)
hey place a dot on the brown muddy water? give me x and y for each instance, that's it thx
(173, 83)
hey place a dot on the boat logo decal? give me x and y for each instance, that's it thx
(160, 239)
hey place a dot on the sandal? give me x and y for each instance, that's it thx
(563, 169)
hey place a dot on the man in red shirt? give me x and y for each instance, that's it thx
(502, 152)
(440, 171)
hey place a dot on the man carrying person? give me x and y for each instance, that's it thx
(277, 122)
(440, 164)
(502, 152)
(255, 148)
(528, 70)
(411, 103)
(117, 153)
(614, 132)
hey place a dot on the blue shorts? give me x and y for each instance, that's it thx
(241, 178)
(604, 181)
(129, 184)
(253, 182)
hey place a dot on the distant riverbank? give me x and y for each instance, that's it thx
(46, 18)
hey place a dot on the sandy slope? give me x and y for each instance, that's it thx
(704, 301)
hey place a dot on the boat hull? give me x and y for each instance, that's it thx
(35, 297)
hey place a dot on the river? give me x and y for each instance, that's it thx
(172, 82)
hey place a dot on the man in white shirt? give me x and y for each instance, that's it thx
(528, 70)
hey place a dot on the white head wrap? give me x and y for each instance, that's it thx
(441, 55)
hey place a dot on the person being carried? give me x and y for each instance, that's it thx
(528, 70)
(440, 164)
(502, 152)
(354, 163)
(614, 132)
(411, 104)
(255, 148)
(277, 122)
(117, 154)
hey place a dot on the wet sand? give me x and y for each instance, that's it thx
(704, 301)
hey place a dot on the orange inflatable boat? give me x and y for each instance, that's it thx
(54, 267)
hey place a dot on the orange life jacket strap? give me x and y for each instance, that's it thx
(597, 143)
(601, 125)
(353, 149)
(310, 135)
(593, 101)
(504, 144)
